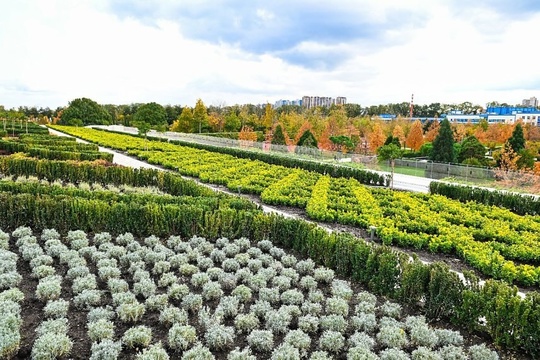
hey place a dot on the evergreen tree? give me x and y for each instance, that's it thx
(443, 145)
(471, 148)
(517, 140)
(307, 139)
(392, 140)
(278, 138)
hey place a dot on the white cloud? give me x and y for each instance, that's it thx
(58, 50)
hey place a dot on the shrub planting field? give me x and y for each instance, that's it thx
(105, 297)
(104, 262)
(496, 242)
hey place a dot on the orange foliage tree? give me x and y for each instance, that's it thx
(398, 133)
(415, 139)
(433, 131)
(376, 137)
(247, 136)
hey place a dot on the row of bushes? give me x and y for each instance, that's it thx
(52, 152)
(219, 201)
(511, 321)
(363, 176)
(517, 203)
(25, 128)
(94, 172)
(234, 135)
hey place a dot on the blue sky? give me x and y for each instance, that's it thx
(236, 51)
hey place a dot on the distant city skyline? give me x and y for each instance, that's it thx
(175, 52)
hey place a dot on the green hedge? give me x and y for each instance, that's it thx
(55, 151)
(517, 203)
(511, 321)
(363, 176)
(218, 201)
(75, 172)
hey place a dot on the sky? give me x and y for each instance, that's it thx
(228, 52)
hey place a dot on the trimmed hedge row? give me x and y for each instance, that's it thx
(511, 321)
(517, 203)
(56, 152)
(363, 176)
(93, 172)
(219, 201)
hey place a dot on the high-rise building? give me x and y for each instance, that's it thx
(314, 101)
(531, 102)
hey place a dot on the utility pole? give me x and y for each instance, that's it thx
(411, 107)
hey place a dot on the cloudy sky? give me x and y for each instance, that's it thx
(249, 51)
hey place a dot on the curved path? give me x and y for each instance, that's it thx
(293, 213)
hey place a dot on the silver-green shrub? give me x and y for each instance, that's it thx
(332, 341)
(323, 275)
(337, 306)
(170, 315)
(451, 352)
(364, 322)
(49, 288)
(245, 323)
(334, 323)
(100, 330)
(423, 353)
(243, 293)
(56, 308)
(181, 337)
(392, 337)
(285, 351)
(298, 339)
(81, 283)
(219, 337)
(98, 313)
(278, 321)
(238, 354)
(192, 302)
(393, 354)
(153, 352)
(177, 291)
(130, 312)
(106, 350)
(167, 279)
(308, 323)
(292, 297)
(361, 353)
(261, 340)
(391, 309)
(198, 352)
(138, 336)
(157, 302)
(88, 298)
(51, 346)
(481, 352)
(212, 291)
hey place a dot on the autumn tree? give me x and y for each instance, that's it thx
(268, 118)
(415, 139)
(376, 138)
(216, 121)
(433, 131)
(200, 117)
(184, 123)
(247, 136)
(399, 134)
(443, 145)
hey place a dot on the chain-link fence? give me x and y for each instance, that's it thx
(416, 167)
